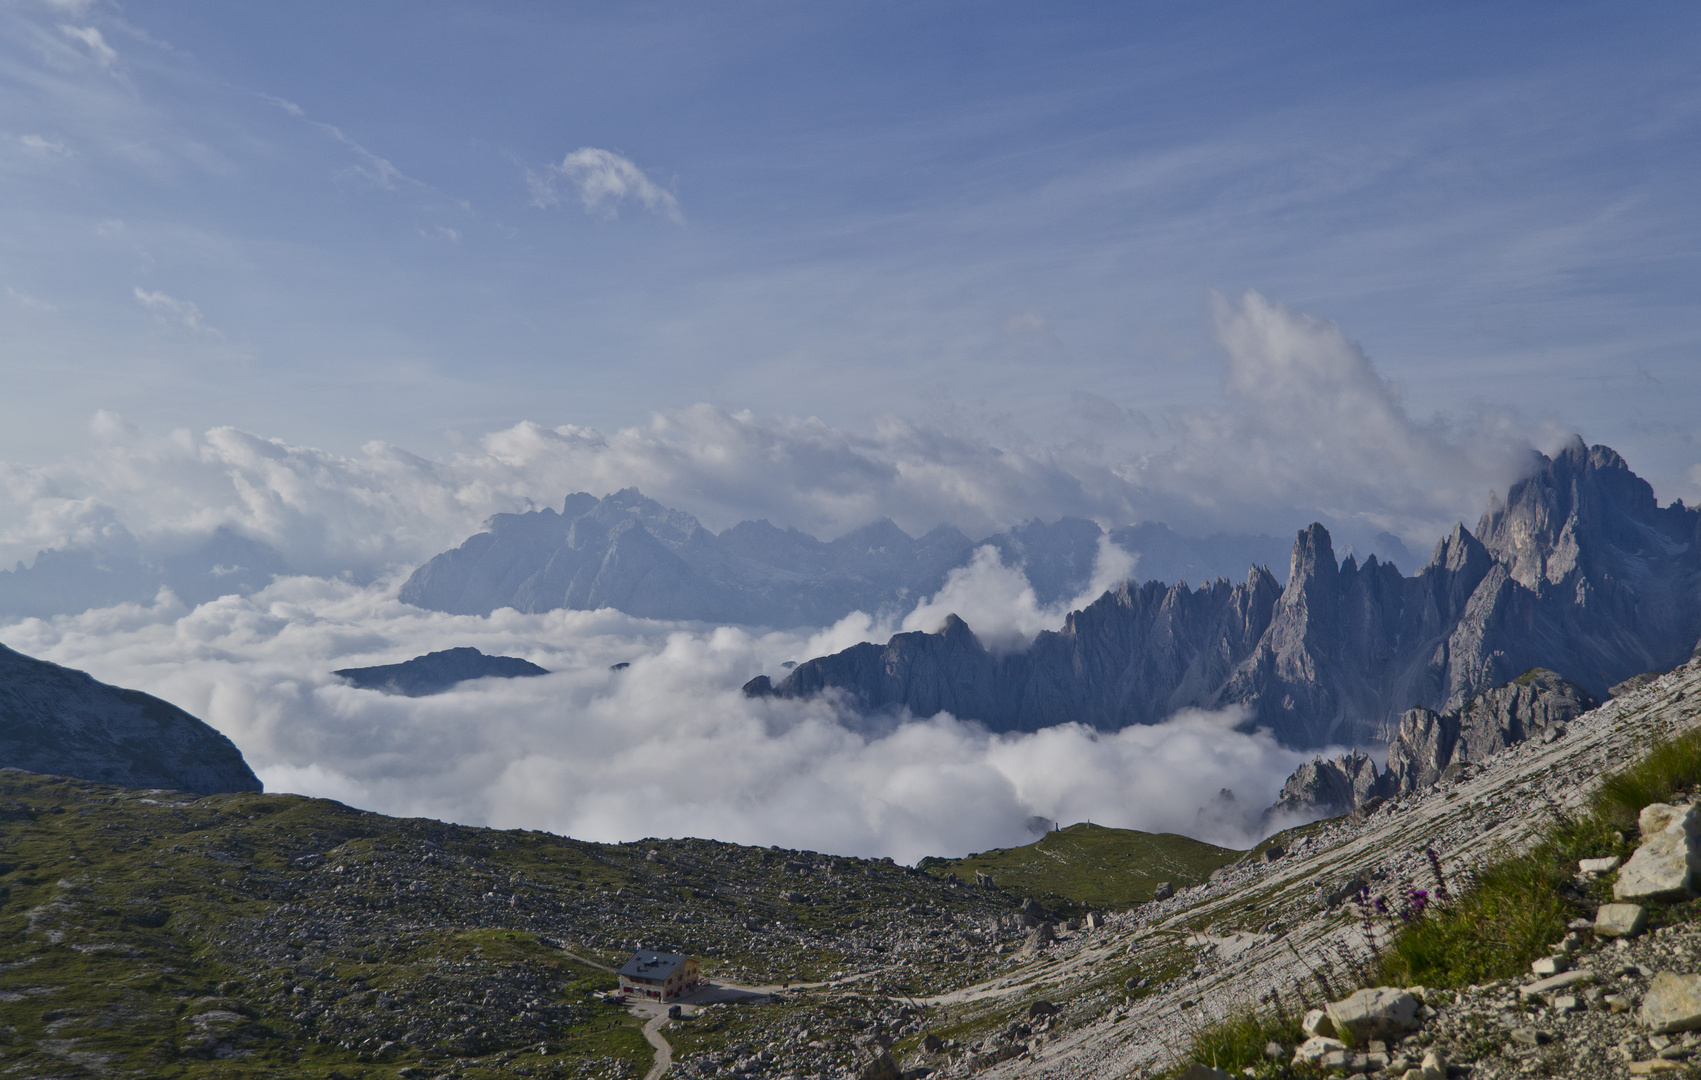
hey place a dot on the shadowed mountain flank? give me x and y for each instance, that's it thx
(437, 672)
(1578, 571)
(61, 721)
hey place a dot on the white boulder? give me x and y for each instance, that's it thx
(1377, 1012)
(1660, 868)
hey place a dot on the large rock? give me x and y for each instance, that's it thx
(1673, 1003)
(1661, 867)
(1321, 788)
(58, 720)
(1619, 920)
(1378, 1012)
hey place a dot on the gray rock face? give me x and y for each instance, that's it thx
(1426, 742)
(1329, 788)
(1579, 571)
(60, 721)
(1429, 746)
(437, 672)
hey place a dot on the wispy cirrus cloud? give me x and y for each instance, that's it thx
(181, 312)
(104, 55)
(40, 144)
(603, 180)
(373, 168)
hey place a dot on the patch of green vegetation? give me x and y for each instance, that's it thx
(1092, 865)
(1239, 1043)
(155, 934)
(1518, 906)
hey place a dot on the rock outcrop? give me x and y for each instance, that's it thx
(1537, 704)
(61, 721)
(1578, 571)
(437, 672)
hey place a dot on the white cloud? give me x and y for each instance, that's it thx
(668, 747)
(104, 54)
(603, 180)
(29, 301)
(1306, 422)
(999, 604)
(181, 312)
(38, 144)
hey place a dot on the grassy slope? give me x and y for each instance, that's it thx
(161, 935)
(1093, 865)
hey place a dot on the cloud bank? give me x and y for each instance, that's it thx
(668, 746)
(1306, 429)
(1305, 425)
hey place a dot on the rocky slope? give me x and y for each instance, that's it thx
(1578, 570)
(631, 553)
(58, 720)
(437, 672)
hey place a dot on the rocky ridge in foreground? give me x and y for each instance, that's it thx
(1272, 926)
(59, 720)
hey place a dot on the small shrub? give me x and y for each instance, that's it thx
(1238, 1043)
(1670, 768)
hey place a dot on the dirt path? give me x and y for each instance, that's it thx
(664, 1052)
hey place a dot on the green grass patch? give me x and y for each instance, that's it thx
(1093, 865)
(1518, 906)
(1239, 1043)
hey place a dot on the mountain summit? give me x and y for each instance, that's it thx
(1578, 570)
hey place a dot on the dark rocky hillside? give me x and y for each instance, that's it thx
(57, 720)
(1578, 571)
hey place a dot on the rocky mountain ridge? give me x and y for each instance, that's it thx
(1428, 746)
(59, 720)
(631, 553)
(1578, 570)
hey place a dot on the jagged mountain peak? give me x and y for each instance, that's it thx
(1577, 570)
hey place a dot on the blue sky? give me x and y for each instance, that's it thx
(330, 223)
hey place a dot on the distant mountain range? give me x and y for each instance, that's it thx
(118, 570)
(1579, 571)
(631, 553)
(437, 672)
(62, 721)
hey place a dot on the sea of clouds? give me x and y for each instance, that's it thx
(669, 746)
